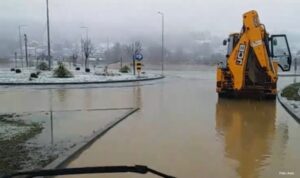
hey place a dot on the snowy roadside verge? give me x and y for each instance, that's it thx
(291, 106)
(46, 78)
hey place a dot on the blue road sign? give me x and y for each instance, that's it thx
(138, 56)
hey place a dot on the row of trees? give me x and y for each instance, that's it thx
(202, 54)
(112, 55)
(194, 49)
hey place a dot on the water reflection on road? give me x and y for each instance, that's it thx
(248, 130)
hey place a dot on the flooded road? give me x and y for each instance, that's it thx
(182, 128)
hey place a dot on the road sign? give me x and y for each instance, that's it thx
(138, 56)
(138, 66)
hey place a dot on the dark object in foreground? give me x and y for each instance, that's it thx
(12, 69)
(90, 170)
(77, 68)
(18, 71)
(87, 70)
(255, 95)
(34, 75)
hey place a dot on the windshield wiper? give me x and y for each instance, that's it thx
(90, 170)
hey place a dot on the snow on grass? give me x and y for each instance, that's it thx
(7, 76)
(8, 131)
(293, 105)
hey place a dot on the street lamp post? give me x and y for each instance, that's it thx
(85, 44)
(82, 51)
(48, 35)
(20, 41)
(26, 50)
(162, 40)
(133, 58)
(16, 56)
(295, 64)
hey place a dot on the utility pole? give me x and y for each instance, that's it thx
(26, 53)
(162, 40)
(48, 35)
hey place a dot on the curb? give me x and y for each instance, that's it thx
(80, 83)
(287, 108)
(288, 75)
(77, 150)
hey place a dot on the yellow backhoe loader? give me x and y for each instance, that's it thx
(252, 61)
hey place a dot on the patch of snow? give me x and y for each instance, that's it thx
(294, 106)
(8, 131)
(7, 76)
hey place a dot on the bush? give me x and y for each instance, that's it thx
(18, 71)
(291, 92)
(62, 72)
(34, 75)
(42, 66)
(125, 69)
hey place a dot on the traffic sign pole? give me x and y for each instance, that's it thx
(138, 57)
(139, 67)
(133, 64)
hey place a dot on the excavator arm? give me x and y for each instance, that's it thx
(252, 39)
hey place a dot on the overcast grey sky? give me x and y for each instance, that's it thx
(122, 19)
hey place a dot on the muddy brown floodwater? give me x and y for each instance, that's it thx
(183, 129)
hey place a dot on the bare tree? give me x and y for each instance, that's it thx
(74, 59)
(88, 50)
(132, 49)
(128, 50)
(74, 56)
(137, 47)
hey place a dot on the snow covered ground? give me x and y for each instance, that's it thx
(292, 106)
(7, 76)
(8, 131)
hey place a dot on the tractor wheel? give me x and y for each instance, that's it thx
(270, 96)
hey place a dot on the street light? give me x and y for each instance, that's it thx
(20, 43)
(26, 51)
(162, 40)
(48, 34)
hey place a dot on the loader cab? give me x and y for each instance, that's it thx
(231, 43)
(280, 51)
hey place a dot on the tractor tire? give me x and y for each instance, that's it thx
(270, 96)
